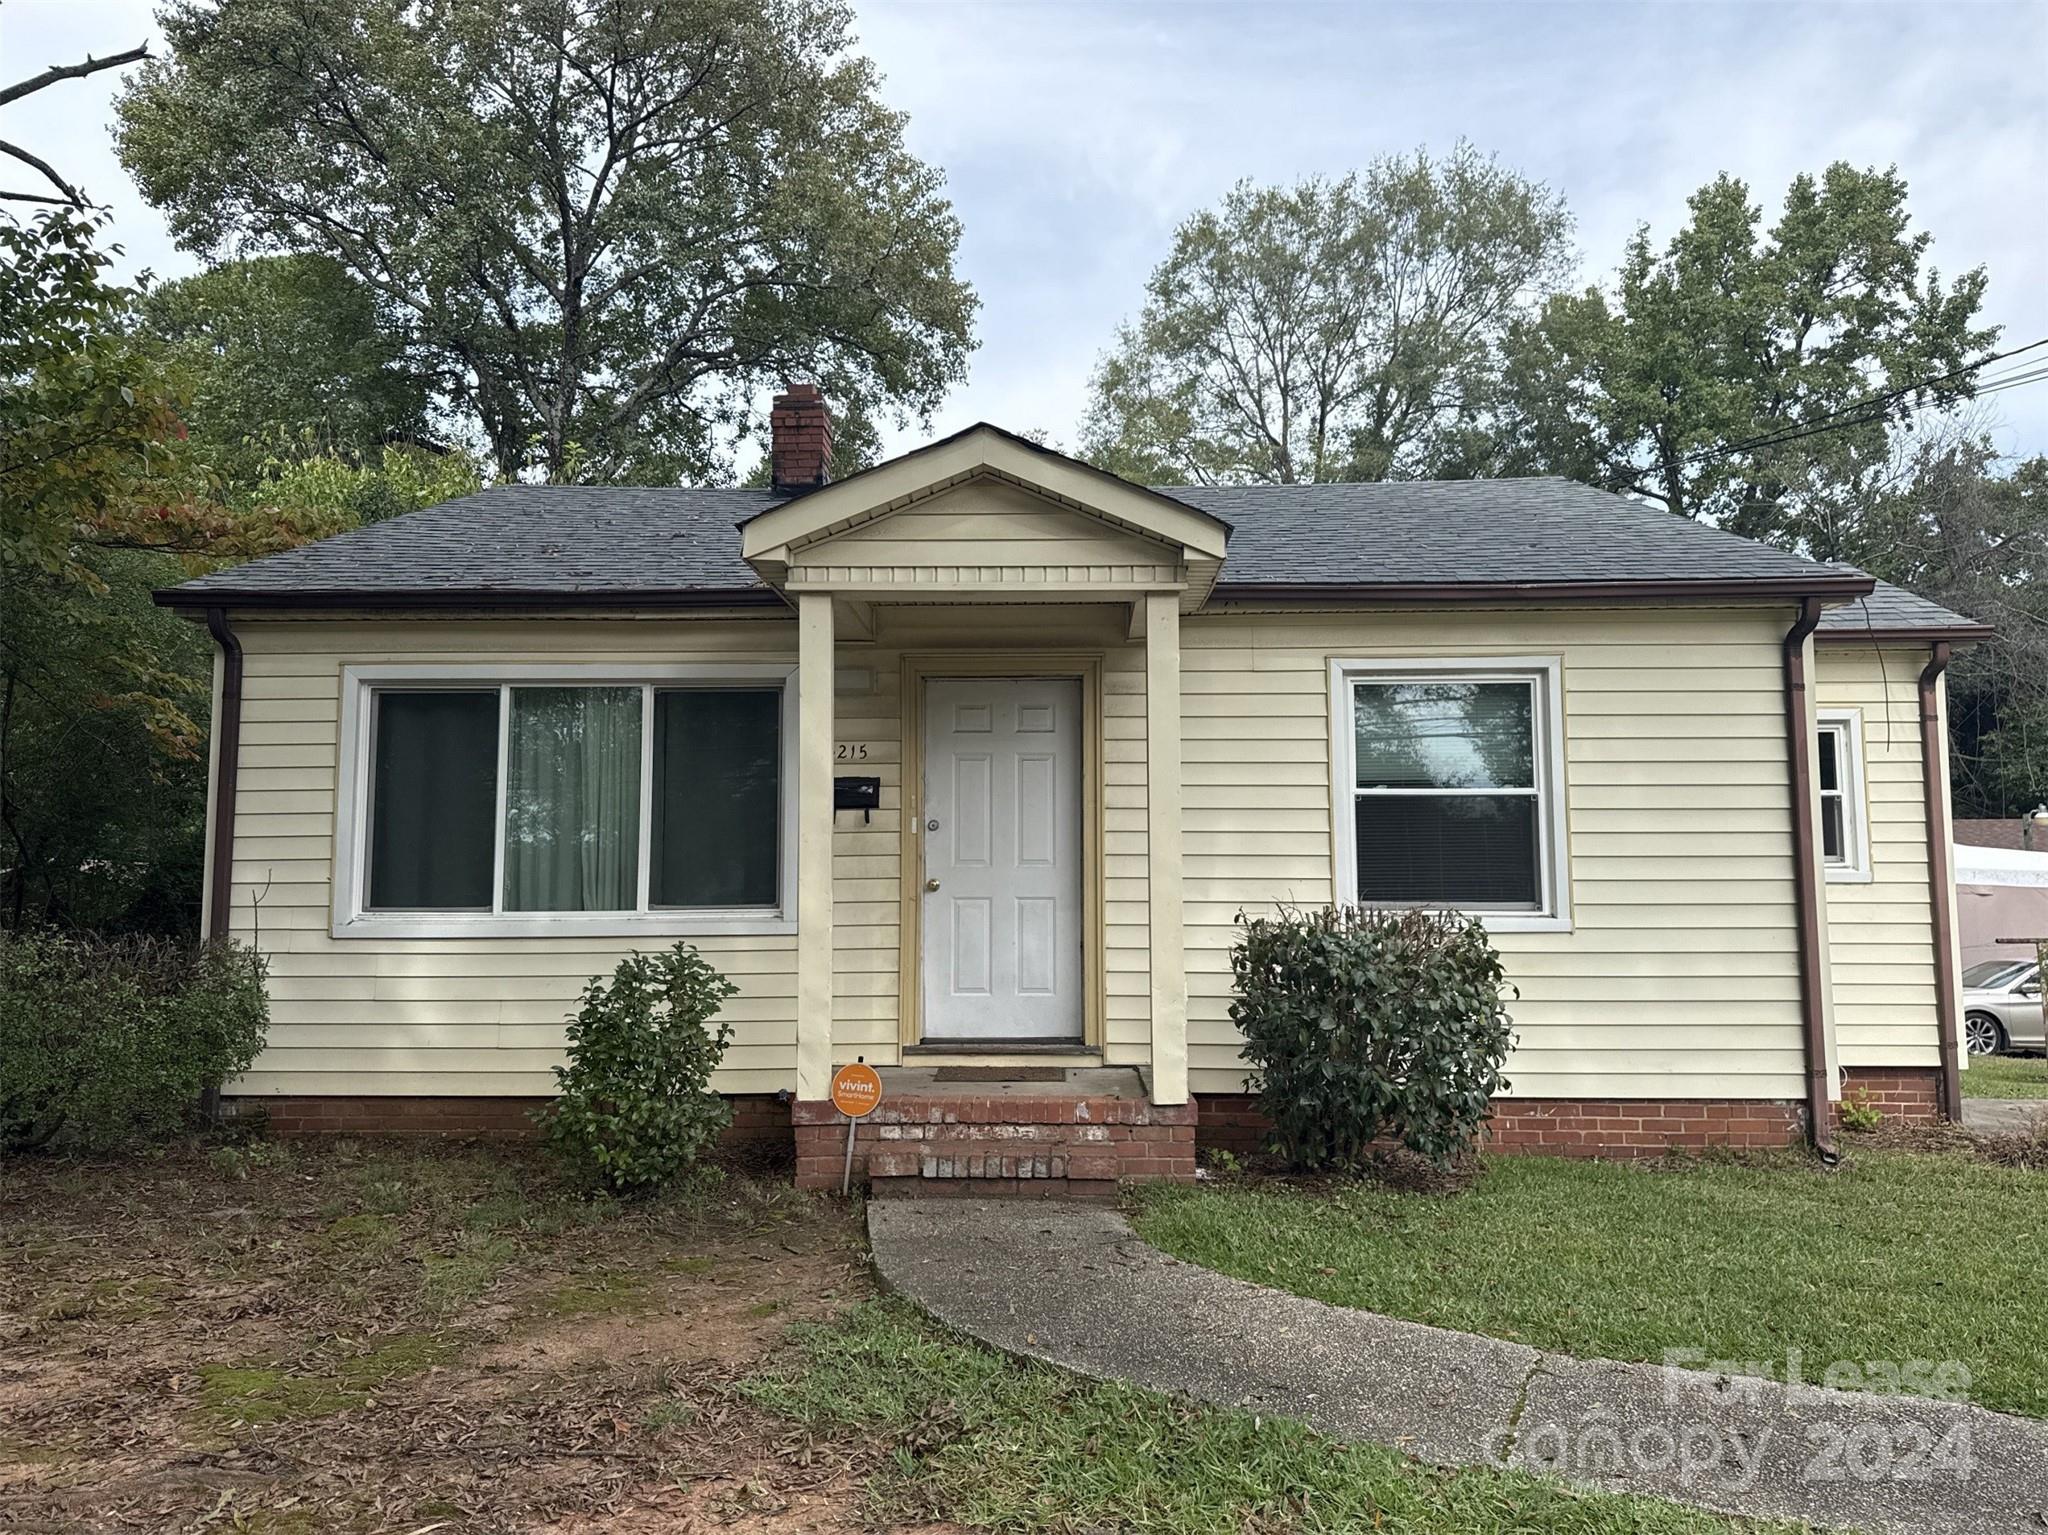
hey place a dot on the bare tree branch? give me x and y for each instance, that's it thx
(71, 193)
(57, 72)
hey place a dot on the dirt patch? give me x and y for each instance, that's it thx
(828, 1502)
(371, 1337)
(727, 1317)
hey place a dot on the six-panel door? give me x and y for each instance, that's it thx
(1001, 925)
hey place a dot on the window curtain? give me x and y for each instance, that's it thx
(572, 800)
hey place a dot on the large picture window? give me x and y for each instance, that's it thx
(524, 804)
(1448, 789)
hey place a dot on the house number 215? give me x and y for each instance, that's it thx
(853, 751)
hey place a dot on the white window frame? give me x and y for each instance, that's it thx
(1854, 866)
(352, 819)
(1544, 675)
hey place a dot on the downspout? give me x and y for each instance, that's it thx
(1943, 889)
(1806, 881)
(227, 735)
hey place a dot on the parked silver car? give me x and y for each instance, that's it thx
(2002, 1006)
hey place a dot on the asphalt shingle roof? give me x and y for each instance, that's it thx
(601, 541)
(1482, 531)
(1891, 608)
(568, 539)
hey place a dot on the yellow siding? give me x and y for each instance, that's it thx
(444, 1016)
(1881, 932)
(1680, 977)
(867, 860)
(986, 533)
(484, 1015)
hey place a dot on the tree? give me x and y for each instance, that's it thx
(91, 442)
(1331, 330)
(103, 497)
(70, 195)
(286, 355)
(612, 223)
(1954, 523)
(1727, 376)
(103, 699)
(320, 495)
(97, 692)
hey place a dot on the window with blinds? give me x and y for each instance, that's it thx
(1449, 782)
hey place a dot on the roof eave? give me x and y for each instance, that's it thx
(1389, 593)
(300, 600)
(1961, 632)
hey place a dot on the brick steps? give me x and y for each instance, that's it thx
(994, 1166)
(1027, 1141)
(991, 1167)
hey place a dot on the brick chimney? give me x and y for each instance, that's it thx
(800, 439)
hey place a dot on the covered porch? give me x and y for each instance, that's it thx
(989, 769)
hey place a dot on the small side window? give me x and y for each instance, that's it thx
(1843, 840)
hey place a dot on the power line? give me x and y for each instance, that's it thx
(2011, 381)
(1868, 410)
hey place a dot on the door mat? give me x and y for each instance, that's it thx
(1000, 1074)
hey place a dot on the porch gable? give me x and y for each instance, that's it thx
(984, 514)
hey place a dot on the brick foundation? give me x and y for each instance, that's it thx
(1635, 1127)
(1573, 1127)
(1231, 1122)
(760, 1121)
(1011, 1146)
(965, 1143)
(1905, 1095)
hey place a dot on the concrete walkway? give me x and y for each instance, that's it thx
(2004, 1116)
(1074, 1286)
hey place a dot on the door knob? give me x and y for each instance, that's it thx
(931, 884)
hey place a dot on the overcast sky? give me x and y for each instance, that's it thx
(1075, 136)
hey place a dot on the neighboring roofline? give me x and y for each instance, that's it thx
(500, 597)
(1962, 632)
(1351, 593)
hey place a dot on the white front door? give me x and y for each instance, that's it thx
(1002, 859)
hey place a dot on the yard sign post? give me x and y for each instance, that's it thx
(856, 1093)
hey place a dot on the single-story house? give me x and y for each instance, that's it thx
(965, 766)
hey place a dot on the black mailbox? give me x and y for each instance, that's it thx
(862, 794)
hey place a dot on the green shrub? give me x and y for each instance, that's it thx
(105, 1043)
(1368, 1025)
(635, 1108)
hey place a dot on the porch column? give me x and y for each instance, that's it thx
(814, 846)
(1162, 841)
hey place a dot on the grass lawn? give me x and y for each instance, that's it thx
(1896, 1257)
(978, 1439)
(370, 1339)
(2006, 1076)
